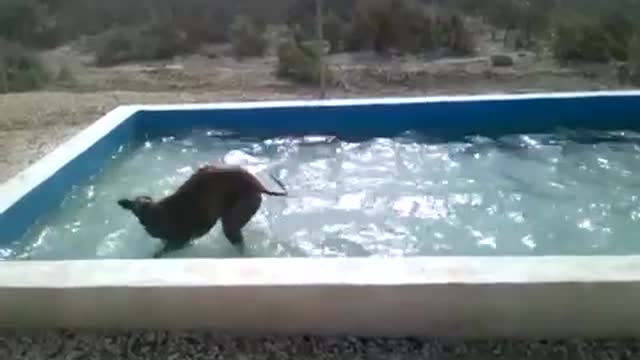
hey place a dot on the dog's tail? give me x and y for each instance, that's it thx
(284, 191)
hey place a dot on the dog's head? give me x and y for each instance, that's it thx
(139, 205)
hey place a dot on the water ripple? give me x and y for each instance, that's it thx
(566, 193)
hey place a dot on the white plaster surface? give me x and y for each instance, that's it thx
(473, 297)
(385, 100)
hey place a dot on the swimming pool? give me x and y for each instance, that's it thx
(405, 195)
(459, 156)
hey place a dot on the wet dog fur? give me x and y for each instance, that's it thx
(226, 192)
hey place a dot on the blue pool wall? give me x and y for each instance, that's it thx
(443, 119)
(352, 121)
(50, 193)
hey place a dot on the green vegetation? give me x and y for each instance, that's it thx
(574, 30)
(20, 69)
(247, 37)
(155, 42)
(634, 60)
(300, 62)
(599, 38)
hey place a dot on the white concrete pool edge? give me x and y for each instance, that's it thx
(353, 271)
(385, 100)
(465, 297)
(554, 296)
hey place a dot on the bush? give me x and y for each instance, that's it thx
(358, 35)
(335, 32)
(410, 26)
(619, 29)
(460, 40)
(594, 36)
(65, 76)
(155, 42)
(633, 63)
(376, 15)
(24, 21)
(585, 40)
(162, 41)
(300, 62)
(201, 20)
(20, 69)
(114, 47)
(247, 37)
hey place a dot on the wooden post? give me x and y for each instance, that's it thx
(321, 40)
(4, 78)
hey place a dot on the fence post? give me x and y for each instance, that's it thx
(319, 24)
(4, 78)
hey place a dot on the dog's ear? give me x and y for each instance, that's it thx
(126, 204)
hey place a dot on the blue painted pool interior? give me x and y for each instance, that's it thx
(446, 120)
(443, 120)
(50, 193)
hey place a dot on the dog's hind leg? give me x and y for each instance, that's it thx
(168, 248)
(237, 216)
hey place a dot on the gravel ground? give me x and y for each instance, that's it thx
(160, 345)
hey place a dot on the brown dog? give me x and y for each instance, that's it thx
(228, 192)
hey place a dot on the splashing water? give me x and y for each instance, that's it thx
(402, 196)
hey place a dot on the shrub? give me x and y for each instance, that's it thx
(162, 41)
(247, 37)
(114, 47)
(155, 42)
(20, 69)
(65, 76)
(201, 20)
(334, 31)
(461, 41)
(592, 38)
(300, 62)
(75, 18)
(410, 26)
(303, 13)
(580, 39)
(633, 63)
(23, 21)
(376, 15)
(619, 29)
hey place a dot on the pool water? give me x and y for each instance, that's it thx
(565, 193)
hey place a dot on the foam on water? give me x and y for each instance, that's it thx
(404, 196)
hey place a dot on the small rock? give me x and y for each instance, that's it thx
(501, 60)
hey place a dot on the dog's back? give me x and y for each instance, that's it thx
(192, 210)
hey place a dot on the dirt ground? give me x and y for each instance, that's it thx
(33, 123)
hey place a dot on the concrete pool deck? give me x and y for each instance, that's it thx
(463, 297)
(476, 297)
